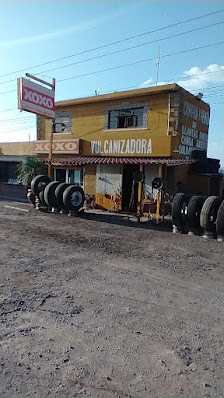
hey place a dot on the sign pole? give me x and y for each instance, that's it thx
(158, 198)
(51, 140)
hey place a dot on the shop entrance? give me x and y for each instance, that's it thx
(129, 189)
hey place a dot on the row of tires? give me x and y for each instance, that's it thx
(197, 213)
(58, 195)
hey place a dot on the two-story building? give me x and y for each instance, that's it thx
(100, 141)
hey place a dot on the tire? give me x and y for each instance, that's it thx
(220, 220)
(39, 183)
(41, 197)
(49, 194)
(194, 210)
(59, 193)
(209, 213)
(179, 209)
(73, 198)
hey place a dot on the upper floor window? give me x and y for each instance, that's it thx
(63, 122)
(126, 116)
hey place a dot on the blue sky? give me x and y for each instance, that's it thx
(32, 33)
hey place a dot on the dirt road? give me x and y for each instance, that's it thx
(98, 307)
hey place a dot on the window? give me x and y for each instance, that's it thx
(63, 122)
(75, 176)
(60, 175)
(126, 116)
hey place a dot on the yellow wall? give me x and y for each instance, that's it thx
(88, 125)
(16, 148)
(90, 179)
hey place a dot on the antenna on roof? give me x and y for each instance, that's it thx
(157, 63)
(97, 92)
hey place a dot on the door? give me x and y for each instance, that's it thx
(129, 188)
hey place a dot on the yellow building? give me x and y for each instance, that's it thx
(100, 141)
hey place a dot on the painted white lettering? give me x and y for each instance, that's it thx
(122, 146)
(132, 146)
(149, 146)
(138, 145)
(69, 146)
(58, 146)
(127, 149)
(144, 142)
(105, 148)
(116, 146)
(110, 146)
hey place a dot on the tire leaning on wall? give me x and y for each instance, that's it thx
(209, 212)
(73, 198)
(220, 223)
(179, 209)
(49, 194)
(194, 210)
(59, 194)
(39, 183)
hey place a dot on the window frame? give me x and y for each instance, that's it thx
(126, 106)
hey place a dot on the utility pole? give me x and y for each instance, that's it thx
(157, 63)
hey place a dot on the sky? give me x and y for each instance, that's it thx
(110, 46)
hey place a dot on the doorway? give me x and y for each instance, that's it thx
(129, 189)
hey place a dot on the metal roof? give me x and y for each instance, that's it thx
(82, 160)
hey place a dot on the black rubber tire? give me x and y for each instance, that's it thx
(194, 210)
(39, 183)
(49, 194)
(59, 194)
(179, 209)
(73, 198)
(220, 220)
(209, 212)
(41, 197)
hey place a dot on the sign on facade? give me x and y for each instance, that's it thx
(139, 146)
(192, 138)
(58, 147)
(33, 97)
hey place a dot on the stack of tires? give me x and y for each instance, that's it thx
(198, 215)
(56, 196)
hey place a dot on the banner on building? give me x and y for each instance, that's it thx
(58, 147)
(35, 98)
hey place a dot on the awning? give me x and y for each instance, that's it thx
(83, 160)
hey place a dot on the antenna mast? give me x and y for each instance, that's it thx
(157, 63)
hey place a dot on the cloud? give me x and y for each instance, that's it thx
(195, 78)
(201, 78)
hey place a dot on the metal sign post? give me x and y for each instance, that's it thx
(37, 99)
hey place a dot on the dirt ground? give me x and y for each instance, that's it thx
(100, 307)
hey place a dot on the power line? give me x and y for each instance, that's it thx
(132, 64)
(126, 49)
(138, 62)
(115, 42)
(120, 51)
(17, 118)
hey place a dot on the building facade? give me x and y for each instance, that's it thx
(100, 142)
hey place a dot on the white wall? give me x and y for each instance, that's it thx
(151, 171)
(108, 179)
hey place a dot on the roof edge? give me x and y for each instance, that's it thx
(119, 94)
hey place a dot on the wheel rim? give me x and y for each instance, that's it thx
(76, 198)
(41, 185)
